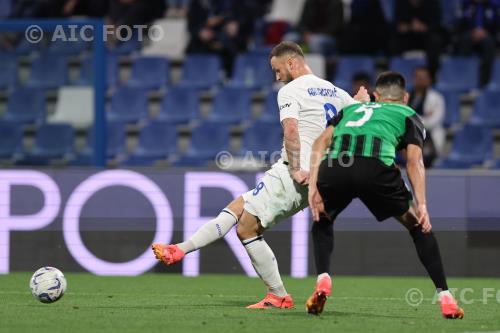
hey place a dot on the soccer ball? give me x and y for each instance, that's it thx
(48, 284)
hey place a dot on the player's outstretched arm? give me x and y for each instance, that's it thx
(416, 173)
(318, 150)
(292, 146)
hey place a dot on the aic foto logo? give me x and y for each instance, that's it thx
(70, 212)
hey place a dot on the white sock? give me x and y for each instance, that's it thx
(210, 232)
(322, 275)
(444, 293)
(265, 264)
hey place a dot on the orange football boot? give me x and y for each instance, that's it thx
(273, 301)
(168, 254)
(316, 303)
(450, 308)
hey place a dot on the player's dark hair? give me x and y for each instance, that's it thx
(286, 48)
(389, 79)
(391, 85)
(422, 68)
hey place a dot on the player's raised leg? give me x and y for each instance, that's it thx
(263, 260)
(322, 234)
(207, 234)
(430, 256)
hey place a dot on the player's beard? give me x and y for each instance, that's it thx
(288, 78)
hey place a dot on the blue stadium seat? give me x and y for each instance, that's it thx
(452, 112)
(8, 70)
(494, 83)
(26, 48)
(262, 137)
(87, 71)
(128, 105)
(207, 140)
(49, 71)
(270, 112)
(150, 73)
(406, 66)
(180, 105)
(348, 66)
(471, 146)
(458, 74)
(201, 71)
(486, 110)
(26, 105)
(52, 141)
(231, 106)
(127, 47)
(252, 71)
(12, 139)
(157, 140)
(68, 47)
(115, 140)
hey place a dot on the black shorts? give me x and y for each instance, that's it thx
(380, 187)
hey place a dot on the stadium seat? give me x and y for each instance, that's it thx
(252, 71)
(180, 105)
(150, 73)
(12, 139)
(452, 112)
(49, 71)
(68, 47)
(115, 140)
(471, 146)
(25, 105)
(406, 66)
(157, 140)
(231, 106)
(270, 111)
(172, 45)
(262, 137)
(52, 141)
(207, 140)
(459, 74)
(494, 83)
(87, 71)
(24, 47)
(348, 66)
(128, 105)
(486, 110)
(201, 71)
(127, 47)
(8, 70)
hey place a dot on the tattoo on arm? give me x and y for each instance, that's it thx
(292, 142)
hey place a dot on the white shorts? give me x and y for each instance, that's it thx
(276, 196)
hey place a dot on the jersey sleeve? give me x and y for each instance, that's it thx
(288, 105)
(336, 120)
(414, 132)
(344, 99)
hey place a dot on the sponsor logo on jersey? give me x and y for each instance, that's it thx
(324, 92)
(287, 105)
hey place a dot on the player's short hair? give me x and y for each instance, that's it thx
(286, 48)
(391, 85)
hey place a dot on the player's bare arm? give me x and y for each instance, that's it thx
(318, 149)
(292, 146)
(416, 174)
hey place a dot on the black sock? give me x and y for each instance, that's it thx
(322, 234)
(428, 252)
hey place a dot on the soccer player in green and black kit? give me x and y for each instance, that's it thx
(362, 141)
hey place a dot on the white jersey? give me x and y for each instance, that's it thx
(311, 101)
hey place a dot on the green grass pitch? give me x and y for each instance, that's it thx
(215, 303)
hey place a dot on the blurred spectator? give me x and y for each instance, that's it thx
(223, 27)
(367, 32)
(58, 8)
(478, 26)
(135, 12)
(5, 7)
(362, 79)
(177, 8)
(320, 25)
(430, 105)
(418, 27)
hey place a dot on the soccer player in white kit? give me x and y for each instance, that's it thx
(306, 102)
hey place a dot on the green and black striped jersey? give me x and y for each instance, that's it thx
(375, 130)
